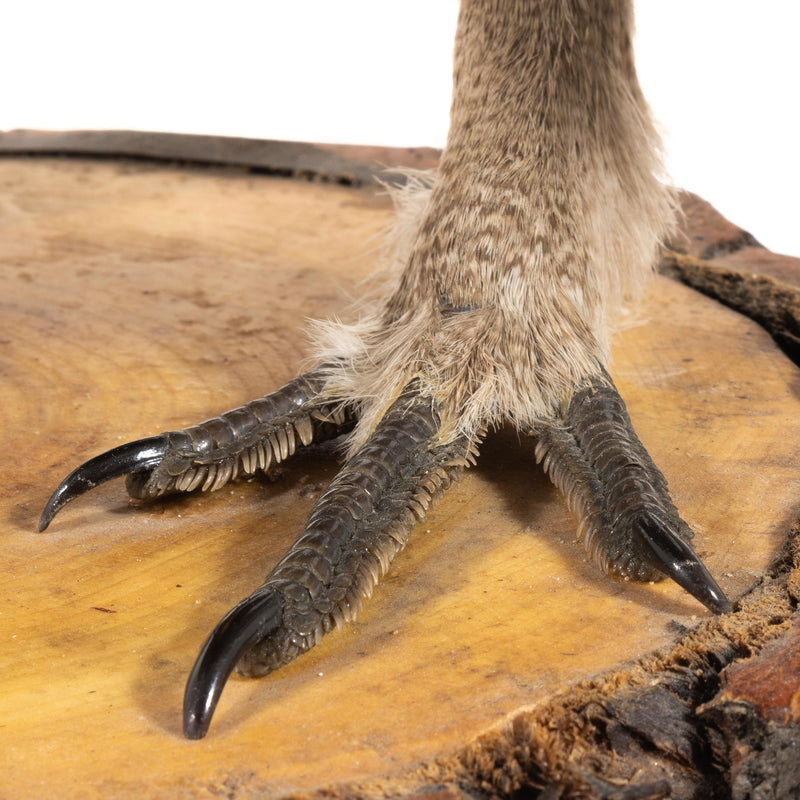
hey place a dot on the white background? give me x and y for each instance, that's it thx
(722, 77)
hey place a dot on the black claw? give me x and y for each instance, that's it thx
(664, 550)
(143, 454)
(254, 618)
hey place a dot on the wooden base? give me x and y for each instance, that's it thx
(140, 298)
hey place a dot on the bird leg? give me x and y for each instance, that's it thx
(545, 214)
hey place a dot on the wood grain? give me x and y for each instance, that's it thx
(137, 299)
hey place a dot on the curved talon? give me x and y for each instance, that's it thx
(254, 618)
(664, 550)
(141, 455)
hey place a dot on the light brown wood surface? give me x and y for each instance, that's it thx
(137, 299)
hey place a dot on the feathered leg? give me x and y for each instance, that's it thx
(547, 211)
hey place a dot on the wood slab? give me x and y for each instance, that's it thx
(138, 298)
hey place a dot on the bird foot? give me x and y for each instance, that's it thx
(627, 520)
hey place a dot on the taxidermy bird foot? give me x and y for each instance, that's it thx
(627, 520)
(546, 213)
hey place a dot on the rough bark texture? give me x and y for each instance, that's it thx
(682, 722)
(772, 303)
